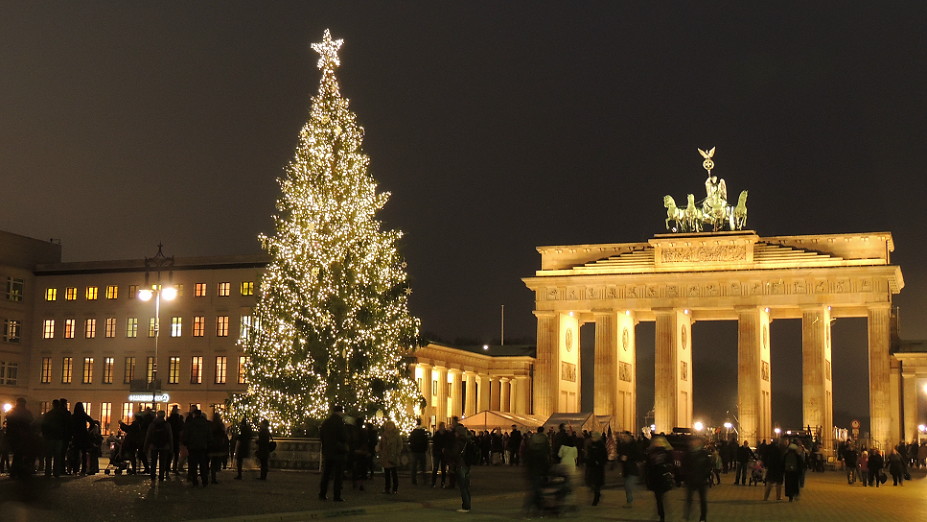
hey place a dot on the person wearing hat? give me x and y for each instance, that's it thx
(792, 463)
(596, 458)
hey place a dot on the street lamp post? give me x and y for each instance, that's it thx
(157, 291)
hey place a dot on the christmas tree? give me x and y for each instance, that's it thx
(332, 322)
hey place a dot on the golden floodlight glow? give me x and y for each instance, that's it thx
(145, 294)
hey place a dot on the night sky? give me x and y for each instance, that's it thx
(496, 126)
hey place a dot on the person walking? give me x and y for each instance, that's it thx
(658, 471)
(263, 448)
(390, 450)
(864, 468)
(334, 453)
(876, 463)
(851, 462)
(629, 454)
(159, 443)
(792, 464)
(438, 461)
(596, 458)
(21, 440)
(744, 456)
(218, 446)
(175, 419)
(464, 456)
(896, 466)
(196, 437)
(514, 446)
(418, 445)
(537, 464)
(243, 445)
(696, 467)
(775, 470)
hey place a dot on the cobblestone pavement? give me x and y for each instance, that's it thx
(498, 494)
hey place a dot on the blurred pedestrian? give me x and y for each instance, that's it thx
(264, 448)
(418, 445)
(792, 464)
(218, 446)
(389, 451)
(334, 453)
(658, 471)
(243, 445)
(159, 443)
(696, 468)
(596, 458)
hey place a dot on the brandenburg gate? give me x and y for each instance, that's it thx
(676, 279)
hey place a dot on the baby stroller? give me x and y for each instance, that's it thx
(757, 472)
(118, 463)
(557, 493)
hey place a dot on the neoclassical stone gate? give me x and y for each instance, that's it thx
(677, 279)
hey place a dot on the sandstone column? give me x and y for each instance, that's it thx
(606, 364)
(625, 414)
(672, 370)
(753, 374)
(441, 402)
(817, 389)
(880, 413)
(484, 392)
(504, 394)
(547, 365)
(910, 391)
(522, 392)
(456, 406)
(424, 382)
(470, 407)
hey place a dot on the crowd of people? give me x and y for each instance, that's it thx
(65, 441)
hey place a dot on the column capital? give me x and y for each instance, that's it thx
(879, 306)
(547, 314)
(814, 308)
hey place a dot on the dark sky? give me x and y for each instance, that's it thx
(497, 126)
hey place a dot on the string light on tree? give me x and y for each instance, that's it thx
(332, 320)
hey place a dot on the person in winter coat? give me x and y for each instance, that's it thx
(537, 464)
(218, 446)
(159, 444)
(196, 437)
(629, 455)
(243, 445)
(897, 467)
(334, 438)
(390, 450)
(418, 445)
(793, 464)
(658, 471)
(175, 419)
(596, 458)
(876, 463)
(864, 468)
(775, 472)
(263, 448)
(696, 467)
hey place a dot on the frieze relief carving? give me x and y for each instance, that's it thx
(568, 371)
(701, 254)
(624, 371)
(734, 288)
(672, 291)
(799, 287)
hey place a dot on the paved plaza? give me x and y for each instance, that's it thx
(498, 494)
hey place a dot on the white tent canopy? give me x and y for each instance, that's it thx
(489, 420)
(579, 421)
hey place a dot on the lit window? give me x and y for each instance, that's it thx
(222, 326)
(108, 370)
(45, 407)
(67, 370)
(110, 327)
(243, 369)
(199, 290)
(88, 370)
(132, 327)
(92, 292)
(9, 372)
(152, 327)
(247, 288)
(196, 370)
(129, 372)
(90, 328)
(51, 294)
(127, 412)
(221, 365)
(173, 374)
(245, 327)
(149, 369)
(46, 370)
(112, 292)
(48, 329)
(14, 289)
(12, 330)
(224, 289)
(176, 326)
(70, 293)
(69, 326)
(199, 325)
(133, 291)
(106, 416)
